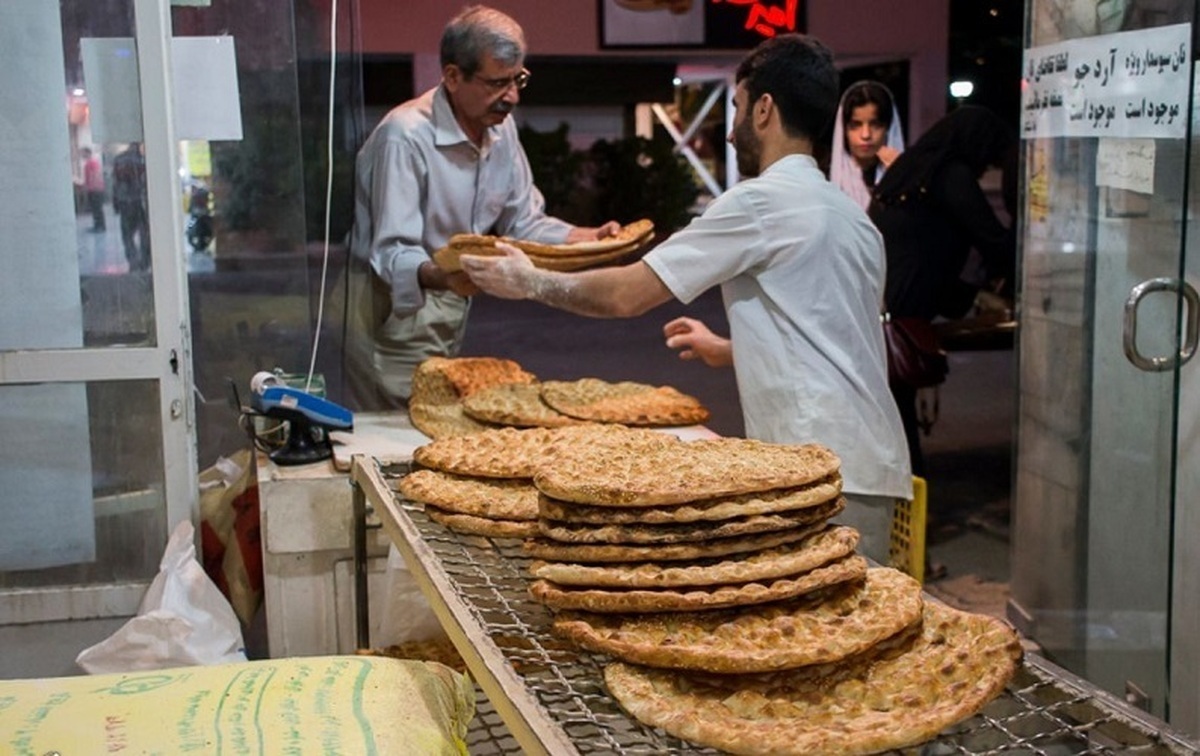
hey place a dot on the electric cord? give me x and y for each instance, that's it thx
(333, 26)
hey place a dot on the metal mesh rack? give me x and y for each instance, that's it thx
(540, 694)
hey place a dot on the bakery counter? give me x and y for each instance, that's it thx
(311, 535)
(549, 697)
(311, 574)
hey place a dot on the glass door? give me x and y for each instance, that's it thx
(1106, 327)
(98, 459)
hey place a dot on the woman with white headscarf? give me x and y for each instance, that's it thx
(867, 137)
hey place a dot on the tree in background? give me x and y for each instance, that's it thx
(620, 179)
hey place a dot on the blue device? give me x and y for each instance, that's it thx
(309, 418)
(316, 410)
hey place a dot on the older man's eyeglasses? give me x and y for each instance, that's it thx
(520, 81)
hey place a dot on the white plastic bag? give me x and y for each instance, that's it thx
(406, 615)
(183, 620)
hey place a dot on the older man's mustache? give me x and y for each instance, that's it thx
(502, 107)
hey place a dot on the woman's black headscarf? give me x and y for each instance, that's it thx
(971, 134)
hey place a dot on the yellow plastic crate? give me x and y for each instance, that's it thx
(906, 552)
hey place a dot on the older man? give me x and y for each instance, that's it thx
(801, 270)
(444, 163)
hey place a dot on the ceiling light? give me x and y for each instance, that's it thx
(962, 89)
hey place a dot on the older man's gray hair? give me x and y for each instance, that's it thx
(480, 30)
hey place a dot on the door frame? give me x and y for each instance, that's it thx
(169, 363)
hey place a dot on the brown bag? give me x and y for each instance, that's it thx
(915, 358)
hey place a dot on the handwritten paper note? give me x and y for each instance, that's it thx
(1126, 164)
(1129, 84)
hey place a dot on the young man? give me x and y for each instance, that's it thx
(447, 162)
(801, 270)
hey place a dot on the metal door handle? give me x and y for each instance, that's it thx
(1188, 350)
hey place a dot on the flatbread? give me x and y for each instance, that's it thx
(449, 258)
(430, 385)
(470, 374)
(481, 526)
(517, 453)
(584, 262)
(901, 694)
(698, 598)
(563, 257)
(823, 627)
(833, 542)
(626, 402)
(631, 233)
(644, 475)
(636, 233)
(440, 421)
(502, 499)
(516, 404)
(439, 383)
(710, 510)
(688, 532)
(544, 548)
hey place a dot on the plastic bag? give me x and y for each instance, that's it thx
(183, 620)
(406, 615)
(230, 532)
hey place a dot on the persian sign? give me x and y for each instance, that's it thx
(1129, 84)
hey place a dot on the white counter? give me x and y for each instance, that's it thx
(308, 542)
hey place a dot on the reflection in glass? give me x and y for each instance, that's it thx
(84, 503)
(104, 117)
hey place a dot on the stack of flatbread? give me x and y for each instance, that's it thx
(741, 619)
(440, 384)
(564, 257)
(482, 483)
(615, 524)
(457, 396)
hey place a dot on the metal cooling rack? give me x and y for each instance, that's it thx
(543, 695)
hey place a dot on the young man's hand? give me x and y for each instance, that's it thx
(508, 276)
(695, 341)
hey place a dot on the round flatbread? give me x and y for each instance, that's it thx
(440, 421)
(544, 548)
(699, 598)
(646, 475)
(819, 628)
(626, 402)
(470, 374)
(584, 262)
(481, 526)
(430, 385)
(900, 694)
(688, 532)
(710, 510)
(516, 404)
(833, 542)
(631, 235)
(517, 453)
(573, 256)
(501, 499)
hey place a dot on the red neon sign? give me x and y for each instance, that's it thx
(767, 20)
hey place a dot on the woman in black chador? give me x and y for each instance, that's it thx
(932, 211)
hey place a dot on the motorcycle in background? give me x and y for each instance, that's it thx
(199, 229)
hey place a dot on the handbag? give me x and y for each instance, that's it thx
(914, 356)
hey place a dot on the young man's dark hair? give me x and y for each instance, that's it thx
(798, 72)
